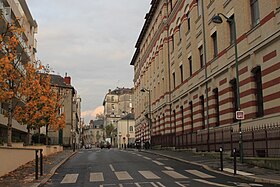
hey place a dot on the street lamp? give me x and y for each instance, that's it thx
(150, 117)
(218, 19)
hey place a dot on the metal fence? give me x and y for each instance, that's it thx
(257, 142)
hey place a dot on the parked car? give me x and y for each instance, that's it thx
(88, 146)
(105, 145)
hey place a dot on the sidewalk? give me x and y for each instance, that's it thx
(245, 171)
(24, 176)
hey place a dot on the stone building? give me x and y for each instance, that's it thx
(188, 64)
(117, 103)
(126, 131)
(93, 133)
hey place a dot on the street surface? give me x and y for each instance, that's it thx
(113, 167)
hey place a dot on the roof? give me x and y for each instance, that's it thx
(118, 91)
(57, 80)
(147, 23)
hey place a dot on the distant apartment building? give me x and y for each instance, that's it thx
(71, 107)
(17, 11)
(188, 64)
(126, 131)
(93, 133)
(117, 103)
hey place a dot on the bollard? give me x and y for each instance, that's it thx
(41, 162)
(221, 158)
(234, 160)
(36, 164)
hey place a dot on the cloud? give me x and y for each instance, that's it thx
(92, 40)
(91, 114)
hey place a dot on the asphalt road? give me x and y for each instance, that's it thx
(113, 167)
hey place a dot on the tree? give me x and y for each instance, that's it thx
(108, 130)
(43, 104)
(12, 69)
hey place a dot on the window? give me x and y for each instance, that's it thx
(181, 73)
(215, 44)
(231, 30)
(131, 128)
(171, 5)
(202, 111)
(201, 57)
(258, 90)
(189, 21)
(179, 31)
(172, 43)
(234, 97)
(217, 111)
(255, 14)
(198, 7)
(182, 118)
(191, 111)
(190, 65)
(174, 80)
(112, 98)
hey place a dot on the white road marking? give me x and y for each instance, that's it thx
(174, 174)
(138, 185)
(138, 155)
(149, 175)
(70, 178)
(238, 172)
(161, 185)
(96, 177)
(211, 183)
(153, 184)
(182, 185)
(158, 163)
(147, 158)
(112, 168)
(253, 184)
(123, 175)
(168, 168)
(200, 174)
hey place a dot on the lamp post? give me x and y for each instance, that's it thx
(218, 19)
(150, 113)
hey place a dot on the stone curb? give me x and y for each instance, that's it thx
(250, 178)
(52, 172)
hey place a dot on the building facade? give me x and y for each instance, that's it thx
(17, 11)
(188, 64)
(117, 103)
(93, 134)
(68, 136)
(126, 131)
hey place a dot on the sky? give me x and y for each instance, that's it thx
(93, 41)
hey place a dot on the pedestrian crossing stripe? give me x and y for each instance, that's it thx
(149, 175)
(70, 178)
(200, 174)
(174, 174)
(124, 175)
(96, 177)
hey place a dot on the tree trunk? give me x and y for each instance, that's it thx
(9, 125)
(39, 137)
(47, 135)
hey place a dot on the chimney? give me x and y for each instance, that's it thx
(67, 79)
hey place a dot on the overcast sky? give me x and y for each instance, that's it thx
(92, 40)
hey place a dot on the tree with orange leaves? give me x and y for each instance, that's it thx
(42, 103)
(12, 69)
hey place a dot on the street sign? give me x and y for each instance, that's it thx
(239, 115)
